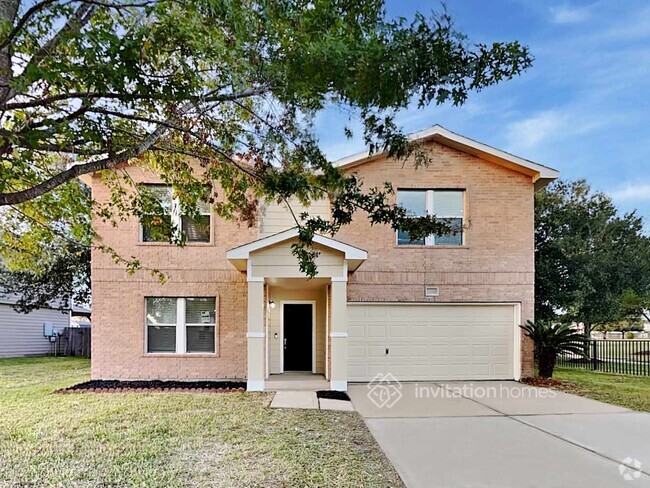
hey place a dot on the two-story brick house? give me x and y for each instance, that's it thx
(237, 306)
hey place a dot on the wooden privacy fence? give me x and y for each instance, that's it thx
(74, 341)
(630, 356)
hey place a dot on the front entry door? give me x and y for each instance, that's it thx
(298, 336)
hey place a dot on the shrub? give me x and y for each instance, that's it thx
(552, 339)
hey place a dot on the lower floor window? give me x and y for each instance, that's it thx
(181, 325)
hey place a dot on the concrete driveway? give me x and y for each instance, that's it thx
(504, 434)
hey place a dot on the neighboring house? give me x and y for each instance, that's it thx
(237, 306)
(23, 334)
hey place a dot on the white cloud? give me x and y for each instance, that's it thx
(528, 133)
(568, 15)
(632, 191)
(550, 125)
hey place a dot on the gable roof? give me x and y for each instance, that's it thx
(541, 175)
(239, 255)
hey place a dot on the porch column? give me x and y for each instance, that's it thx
(339, 335)
(255, 335)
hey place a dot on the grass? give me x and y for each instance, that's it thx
(171, 439)
(627, 391)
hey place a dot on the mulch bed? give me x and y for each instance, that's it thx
(543, 382)
(116, 386)
(333, 395)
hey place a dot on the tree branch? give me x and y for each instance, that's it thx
(74, 24)
(34, 9)
(224, 97)
(81, 169)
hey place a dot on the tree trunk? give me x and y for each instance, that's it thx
(546, 363)
(588, 330)
(8, 11)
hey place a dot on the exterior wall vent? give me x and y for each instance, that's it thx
(431, 291)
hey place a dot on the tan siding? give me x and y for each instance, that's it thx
(276, 217)
(22, 334)
(277, 261)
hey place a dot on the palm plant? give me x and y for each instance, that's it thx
(552, 339)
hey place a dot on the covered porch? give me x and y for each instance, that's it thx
(296, 326)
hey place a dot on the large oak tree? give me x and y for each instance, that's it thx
(592, 262)
(88, 85)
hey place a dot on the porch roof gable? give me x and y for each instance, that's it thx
(239, 256)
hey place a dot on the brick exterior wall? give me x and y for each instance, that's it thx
(496, 264)
(195, 270)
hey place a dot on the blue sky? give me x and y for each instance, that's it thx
(583, 108)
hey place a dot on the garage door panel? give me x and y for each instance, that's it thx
(376, 351)
(376, 331)
(500, 350)
(431, 342)
(356, 330)
(480, 350)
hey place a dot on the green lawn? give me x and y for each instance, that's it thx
(171, 439)
(627, 391)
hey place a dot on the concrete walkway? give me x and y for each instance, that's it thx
(504, 434)
(297, 381)
(308, 400)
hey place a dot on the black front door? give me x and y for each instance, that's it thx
(297, 336)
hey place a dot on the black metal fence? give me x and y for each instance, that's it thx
(630, 356)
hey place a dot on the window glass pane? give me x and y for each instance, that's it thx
(161, 193)
(415, 202)
(454, 238)
(157, 226)
(204, 207)
(403, 238)
(161, 339)
(196, 229)
(161, 311)
(200, 338)
(200, 310)
(448, 203)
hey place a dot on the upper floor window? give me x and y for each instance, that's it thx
(446, 205)
(161, 223)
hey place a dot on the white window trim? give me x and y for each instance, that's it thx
(177, 222)
(181, 329)
(430, 239)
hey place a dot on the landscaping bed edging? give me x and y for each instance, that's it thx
(141, 386)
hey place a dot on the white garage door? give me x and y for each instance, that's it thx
(430, 341)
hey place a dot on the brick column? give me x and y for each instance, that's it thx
(255, 335)
(339, 335)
